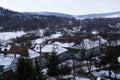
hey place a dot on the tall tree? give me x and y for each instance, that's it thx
(38, 74)
(53, 65)
(24, 70)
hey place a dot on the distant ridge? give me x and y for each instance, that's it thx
(50, 13)
(12, 20)
(101, 15)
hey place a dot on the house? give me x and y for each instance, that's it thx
(87, 47)
(65, 44)
(21, 50)
(25, 52)
(8, 75)
(66, 40)
(10, 58)
(50, 48)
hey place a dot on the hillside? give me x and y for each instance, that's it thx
(10, 21)
(54, 22)
(50, 14)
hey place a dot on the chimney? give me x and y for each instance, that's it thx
(0, 50)
(5, 52)
(14, 55)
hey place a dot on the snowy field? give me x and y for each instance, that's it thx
(10, 35)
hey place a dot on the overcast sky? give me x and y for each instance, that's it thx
(74, 7)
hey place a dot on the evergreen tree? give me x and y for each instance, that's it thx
(39, 75)
(1, 71)
(53, 65)
(64, 70)
(24, 70)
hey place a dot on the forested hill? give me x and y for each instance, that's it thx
(10, 20)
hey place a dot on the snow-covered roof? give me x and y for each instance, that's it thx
(55, 35)
(106, 74)
(88, 44)
(102, 40)
(5, 47)
(65, 44)
(41, 40)
(7, 60)
(95, 32)
(33, 54)
(53, 47)
(118, 59)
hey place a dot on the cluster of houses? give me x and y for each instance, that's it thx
(65, 48)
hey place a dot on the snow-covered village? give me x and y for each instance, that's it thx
(58, 46)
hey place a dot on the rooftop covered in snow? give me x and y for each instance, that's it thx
(53, 48)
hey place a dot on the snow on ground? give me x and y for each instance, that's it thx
(81, 78)
(105, 73)
(76, 77)
(9, 35)
(43, 39)
(51, 78)
(98, 78)
(44, 71)
(113, 16)
(67, 76)
(70, 63)
(41, 32)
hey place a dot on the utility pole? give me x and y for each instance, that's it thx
(73, 66)
(99, 45)
(40, 46)
(40, 54)
(3, 38)
(110, 63)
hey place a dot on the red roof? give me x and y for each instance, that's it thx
(21, 50)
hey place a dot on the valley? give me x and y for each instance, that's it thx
(60, 46)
